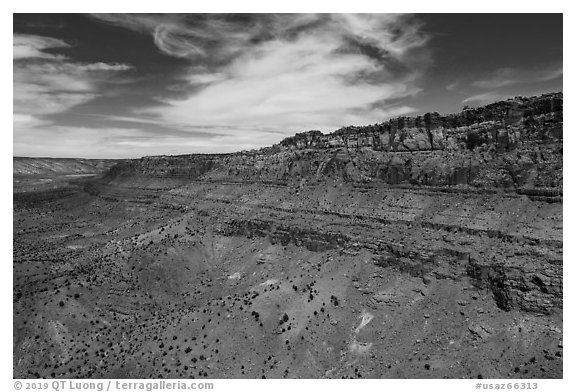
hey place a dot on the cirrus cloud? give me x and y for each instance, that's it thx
(34, 46)
(47, 83)
(287, 73)
(509, 76)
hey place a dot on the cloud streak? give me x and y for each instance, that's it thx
(509, 76)
(46, 83)
(34, 46)
(505, 82)
(481, 98)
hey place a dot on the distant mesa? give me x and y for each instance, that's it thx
(25, 166)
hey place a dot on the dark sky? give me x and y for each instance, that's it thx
(117, 85)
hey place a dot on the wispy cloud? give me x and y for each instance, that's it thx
(122, 142)
(85, 142)
(216, 37)
(506, 82)
(508, 76)
(483, 98)
(35, 46)
(288, 73)
(48, 83)
(452, 86)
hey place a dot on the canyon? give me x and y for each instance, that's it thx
(420, 247)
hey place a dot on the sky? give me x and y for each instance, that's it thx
(126, 86)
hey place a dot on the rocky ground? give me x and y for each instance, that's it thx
(363, 253)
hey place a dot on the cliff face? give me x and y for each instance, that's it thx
(515, 144)
(502, 125)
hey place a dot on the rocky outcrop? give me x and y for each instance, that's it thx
(503, 125)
